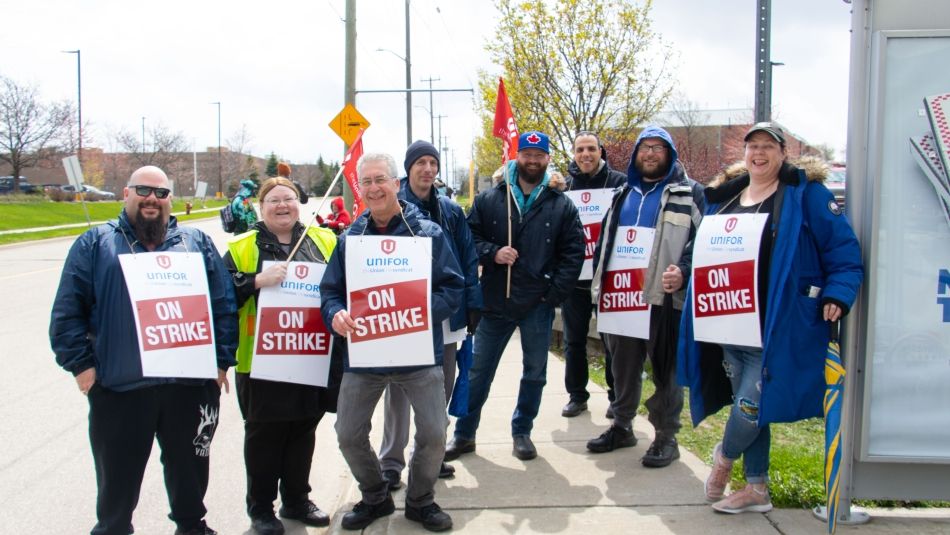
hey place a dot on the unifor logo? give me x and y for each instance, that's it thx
(585, 197)
(631, 235)
(731, 224)
(301, 271)
(164, 261)
(388, 246)
(533, 138)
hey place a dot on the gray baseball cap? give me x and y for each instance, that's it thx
(771, 129)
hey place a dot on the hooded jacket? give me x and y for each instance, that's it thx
(447, 283)
(339, 220)
(92, 323)
(680, 211)
(549, 240)
(813, 245)
(450, 217)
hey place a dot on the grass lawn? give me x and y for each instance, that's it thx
(796, 467)
(32, 211)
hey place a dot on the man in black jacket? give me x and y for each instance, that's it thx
(588, 171)
(544, 257)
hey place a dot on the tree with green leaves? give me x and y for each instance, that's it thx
(572, 65)
(271, 169)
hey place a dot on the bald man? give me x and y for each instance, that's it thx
(93, 334)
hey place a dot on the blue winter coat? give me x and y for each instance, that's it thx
(814, 245)
(447, 282)
(451, 219)
(92, 323)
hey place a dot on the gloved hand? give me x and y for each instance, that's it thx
(474, 316)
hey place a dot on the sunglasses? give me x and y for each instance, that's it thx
(145, 191)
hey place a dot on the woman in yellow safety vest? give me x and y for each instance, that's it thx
(280, 418)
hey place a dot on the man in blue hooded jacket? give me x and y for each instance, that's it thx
(93, 334)
(658, 195)
(361, 388)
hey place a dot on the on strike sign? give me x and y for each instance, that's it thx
(725, 271)
(292, 344)
(592, 205)
(389, 281)
(622, 308)
(169, 293)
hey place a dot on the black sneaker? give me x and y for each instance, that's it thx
(432, 517)
(573, 408)
(457, 447)
(446, 471)
(307, 512)
(198, 529)
(392, 479)
(613, 438)
(363, 514)
(267, 524)
(661, 453)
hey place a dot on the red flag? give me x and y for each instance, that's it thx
(505, 127)
(349, 171)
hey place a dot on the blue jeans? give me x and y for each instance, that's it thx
(491, 337)
(743, 436)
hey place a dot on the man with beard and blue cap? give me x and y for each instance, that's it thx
(658, 196)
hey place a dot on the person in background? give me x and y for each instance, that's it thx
(338, 220)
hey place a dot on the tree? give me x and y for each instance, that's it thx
(572, 65)
(698, 143)
(271, 170)
(30, 129)
(168, 151)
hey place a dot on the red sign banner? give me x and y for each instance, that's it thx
(389, 310)
(505, 127)
(349, 171)
(724, 289)
(622, 291)
(173, 322)
(292, 330)
(591, 235)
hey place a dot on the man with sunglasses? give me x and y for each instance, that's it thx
(93, 334)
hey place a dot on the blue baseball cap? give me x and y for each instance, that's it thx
(534, 140)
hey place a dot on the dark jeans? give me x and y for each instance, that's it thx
(576, 311)
(278, 454)
(122, 427)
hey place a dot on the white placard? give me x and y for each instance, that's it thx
(622, 308)
(175, 329)
(725, 271)
(451, 337)
(592, 205)
(291, 343)
(73, 171)
(201, 190)
(389, 289)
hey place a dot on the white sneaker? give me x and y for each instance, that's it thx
(715, 486)
(747, 500)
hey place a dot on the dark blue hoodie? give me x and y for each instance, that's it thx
(644, 197)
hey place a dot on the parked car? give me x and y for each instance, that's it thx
(92, 193)
(836, 181)
(6, 185)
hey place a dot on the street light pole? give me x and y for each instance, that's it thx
(408, 83)
(143, 137)
(220, 179)
(79, 95)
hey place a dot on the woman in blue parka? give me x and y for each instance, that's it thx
(809, 273)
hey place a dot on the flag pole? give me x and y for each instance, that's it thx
(313, 217)
(508, 204)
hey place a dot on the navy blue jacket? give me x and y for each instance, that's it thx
(451, 218)
(92, 323)
(813, 246)
(550, 244)
(446, 286)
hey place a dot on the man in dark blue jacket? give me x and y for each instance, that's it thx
(361, 388)
(419, 189)
(588, 170)
(544, 255)
(93, 334)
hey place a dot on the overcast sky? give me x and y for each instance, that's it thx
(277, 67)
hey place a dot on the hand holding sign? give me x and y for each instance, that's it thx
(672, 279)
(271, 276)
(343, 323)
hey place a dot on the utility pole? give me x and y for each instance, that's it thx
(349, 79)
(143, 137)
(220, 176)
(440, 117)
(763, 67)
(409, 83)
(431, 110)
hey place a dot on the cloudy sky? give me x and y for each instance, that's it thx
(277, 67)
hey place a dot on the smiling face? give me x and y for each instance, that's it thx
(379, 189)
(280, 216)
(587, 154)
(532, 163)
(653, 158)
(148, 209)
(763, 157)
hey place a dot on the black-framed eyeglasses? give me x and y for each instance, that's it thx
(145, 191)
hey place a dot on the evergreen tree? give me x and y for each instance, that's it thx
(252, 173)
(271, 170)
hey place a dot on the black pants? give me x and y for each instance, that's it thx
(122, 426)
(278, 452)
(576, 311)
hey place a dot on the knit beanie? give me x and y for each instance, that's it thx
(419, 149)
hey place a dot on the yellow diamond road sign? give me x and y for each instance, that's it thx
(347, 124)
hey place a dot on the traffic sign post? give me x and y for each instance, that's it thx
(348, 123)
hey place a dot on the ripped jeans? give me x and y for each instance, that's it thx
(743, 436)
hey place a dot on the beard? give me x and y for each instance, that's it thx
(531, 176)
(659, 172)
(151, 231)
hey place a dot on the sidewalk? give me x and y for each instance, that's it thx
(568, 490)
